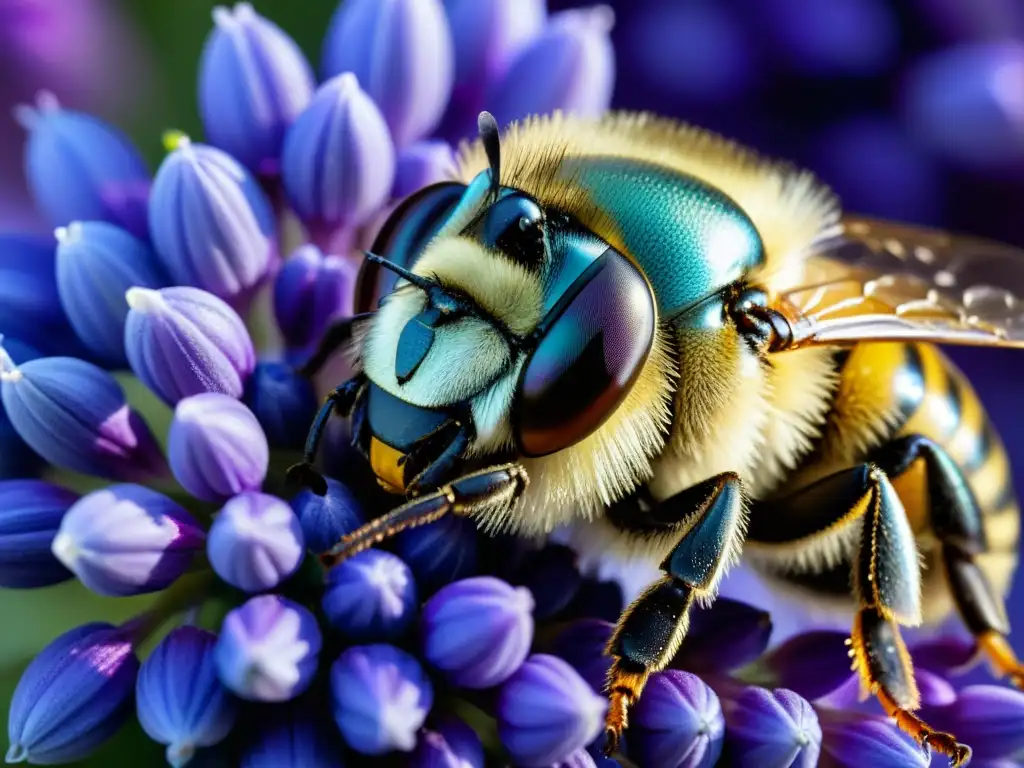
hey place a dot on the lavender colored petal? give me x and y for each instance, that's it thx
(371, 596)
(30, 516)
(449, 743)
(851, 741)
(724, 636)
(988, 717)
(772, 728)
(310, 292)
(420, 165)
(677, 723)
(253, 82)
(127, 540)
(812, 664)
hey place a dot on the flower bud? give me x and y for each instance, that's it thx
(380, 697)
(677, 723)
(30, 308)
(216, 447)
(283, 402)
(478, 631)
(30, 515)
(812, 664)
(420, 165)
(293, 735)
(17, 460)
(255, 542)
(946, 654)
(268, 649)
(311, 291)
(179, 699)
(73, 696)
(724, 636)
(325, 519)
(371, 596)
(570, 66)
(988, 717)
(127, 540)
(212, 225)
(487, 36)
(184, 341)
(253, 82)
(552, 577)
(441, 552)
(401, 50)
(546, 712)
(75, 416)
(935, 691)
(97, 263)
(448, 744)
(338, 162)
(79, 168)
(855, 741)
(772, 728)
(582, 643)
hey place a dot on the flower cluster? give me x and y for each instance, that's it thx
(443, 646)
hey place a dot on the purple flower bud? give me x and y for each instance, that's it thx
(184, 341)
(310, 291)
(582, 643)
(293, 735)
(30, 515)
(97, 263)
(380, 697)
(552, 577)
(963, 103)
(338, 162)
(283, 402)
(212, 225)
(75, 416)
(216, 447)
(772, 728)
(420, 165)
(546, 712)
(570, 66)
(486, 36)
(946, 654)
(30, 308)
(253, 82)
(255, 542)
(73, 696)
(677, 723)
(724, 636)
(812, 664)
(127, 540)
(79, 168)
(179, 699)
(441, 552)
(325, 519)
(268, 649)
(478, 631)
(17, 460)
(371, 596)
(401, 50)
(854, 741)
(449, 744)
(935, 691)
(988, 717)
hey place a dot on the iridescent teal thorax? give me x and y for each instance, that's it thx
(689, 238)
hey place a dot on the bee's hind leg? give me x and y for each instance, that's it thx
(857, 514)
(710, 518)
(956, 521)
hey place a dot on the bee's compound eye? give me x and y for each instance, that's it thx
(515, 226)
(593, 344)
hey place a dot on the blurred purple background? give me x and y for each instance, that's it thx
(910, 109)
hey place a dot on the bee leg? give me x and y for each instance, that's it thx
(648, 634)
(467, 496)
(343, 400)
(858, 509)
(956, 521)
(335, 337)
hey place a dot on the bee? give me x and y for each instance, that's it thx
(647, 336)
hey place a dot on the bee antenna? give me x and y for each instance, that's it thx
(423, 283)
(487, 126)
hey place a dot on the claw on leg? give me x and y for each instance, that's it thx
(942, 742)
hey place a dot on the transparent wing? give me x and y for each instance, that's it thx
(875, 280)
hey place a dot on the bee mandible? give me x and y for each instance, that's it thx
(647, 336)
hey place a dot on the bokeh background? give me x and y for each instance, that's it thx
(910, 109)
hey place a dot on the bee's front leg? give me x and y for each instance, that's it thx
(710, 518)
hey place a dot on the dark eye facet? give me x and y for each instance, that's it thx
(403, 237)
(593, 345)
(515, 226)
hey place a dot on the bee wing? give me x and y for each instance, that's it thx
(876, 280)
